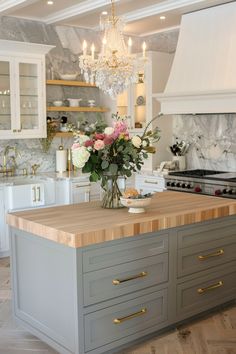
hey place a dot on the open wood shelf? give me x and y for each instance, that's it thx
(69, 83)
(64, 135)
(77, 109)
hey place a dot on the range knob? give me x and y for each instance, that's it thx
(173, 184)
(218, 192)
(168, 184)
(198, 189)
(230, 191)
(225, 191)
(178, 185)
(189, 186)
(184, 185)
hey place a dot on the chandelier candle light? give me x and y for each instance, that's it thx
(115, 67)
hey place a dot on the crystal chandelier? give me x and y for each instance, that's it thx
(115, 67)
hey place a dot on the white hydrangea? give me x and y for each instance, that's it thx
(81, 138)
(109, 130)
(80, 156)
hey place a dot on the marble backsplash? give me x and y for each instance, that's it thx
(212, 138)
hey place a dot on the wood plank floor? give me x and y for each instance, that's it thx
(215, 334)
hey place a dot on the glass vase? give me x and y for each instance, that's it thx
(113, 186)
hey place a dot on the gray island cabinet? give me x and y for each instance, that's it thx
(90, 280)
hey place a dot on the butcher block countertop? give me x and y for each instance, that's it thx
(84, 224)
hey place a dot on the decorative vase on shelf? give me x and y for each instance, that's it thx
(113, 186)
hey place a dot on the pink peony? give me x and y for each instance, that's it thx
(108, 140)
(99, 145)
(88, 143)
(75, 146)
(99, 136)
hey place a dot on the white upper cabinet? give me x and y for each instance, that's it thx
(22, 90)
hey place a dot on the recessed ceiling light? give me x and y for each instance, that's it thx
(50, 2)
(104, 13)
(162, 17)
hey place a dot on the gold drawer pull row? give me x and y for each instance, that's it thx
(216, 254)
(129, 317)
(211, 287)
(119, 281)
(151, 182)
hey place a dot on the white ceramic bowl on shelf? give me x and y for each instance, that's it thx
(57, 103)
(68, 76)
(136, 205)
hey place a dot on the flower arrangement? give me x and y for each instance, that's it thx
(111, 153)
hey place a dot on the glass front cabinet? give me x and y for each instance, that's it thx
(22, 90)
(137, 101)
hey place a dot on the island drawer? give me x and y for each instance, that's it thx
(206, 292)
(124, 319)
(206, 255)
(126, 251)
(198, 234)
(130, 277)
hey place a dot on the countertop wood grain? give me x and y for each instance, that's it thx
(84, 224)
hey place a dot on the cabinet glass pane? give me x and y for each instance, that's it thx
(29, 114)
(5, 96)
(140, 103)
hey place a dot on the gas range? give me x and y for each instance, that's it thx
(215, 183)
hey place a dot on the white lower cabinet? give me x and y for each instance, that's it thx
(146, 183)
(4, 240)
(80, 192)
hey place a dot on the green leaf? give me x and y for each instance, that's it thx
(94, 177)
(87, 167)
(128, 173)
(104, 164)
(113, 168)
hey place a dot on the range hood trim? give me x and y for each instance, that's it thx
(206, 102)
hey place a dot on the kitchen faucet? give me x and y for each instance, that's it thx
(11, 170)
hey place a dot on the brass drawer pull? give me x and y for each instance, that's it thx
(151, 182)
(129, 317)
(216, 254)
(211, 287)
(119, 281)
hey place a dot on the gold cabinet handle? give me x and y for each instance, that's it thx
(14, 131)
(211, 287)
(39, 194)
(129, 317)
(120, 281)
(215, 254)
(34, 190)
(151, 182)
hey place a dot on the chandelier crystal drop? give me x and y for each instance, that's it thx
(115, 67)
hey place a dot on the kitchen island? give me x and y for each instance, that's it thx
(91, 280)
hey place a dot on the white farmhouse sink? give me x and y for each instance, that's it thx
(29, 192)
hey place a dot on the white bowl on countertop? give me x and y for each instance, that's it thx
(136, 206)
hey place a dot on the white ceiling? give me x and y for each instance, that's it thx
(141, 17)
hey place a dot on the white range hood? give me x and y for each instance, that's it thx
(203, 75)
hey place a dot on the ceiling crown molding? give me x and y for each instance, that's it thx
(156, 9)
(81, 8)
(6, 5)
